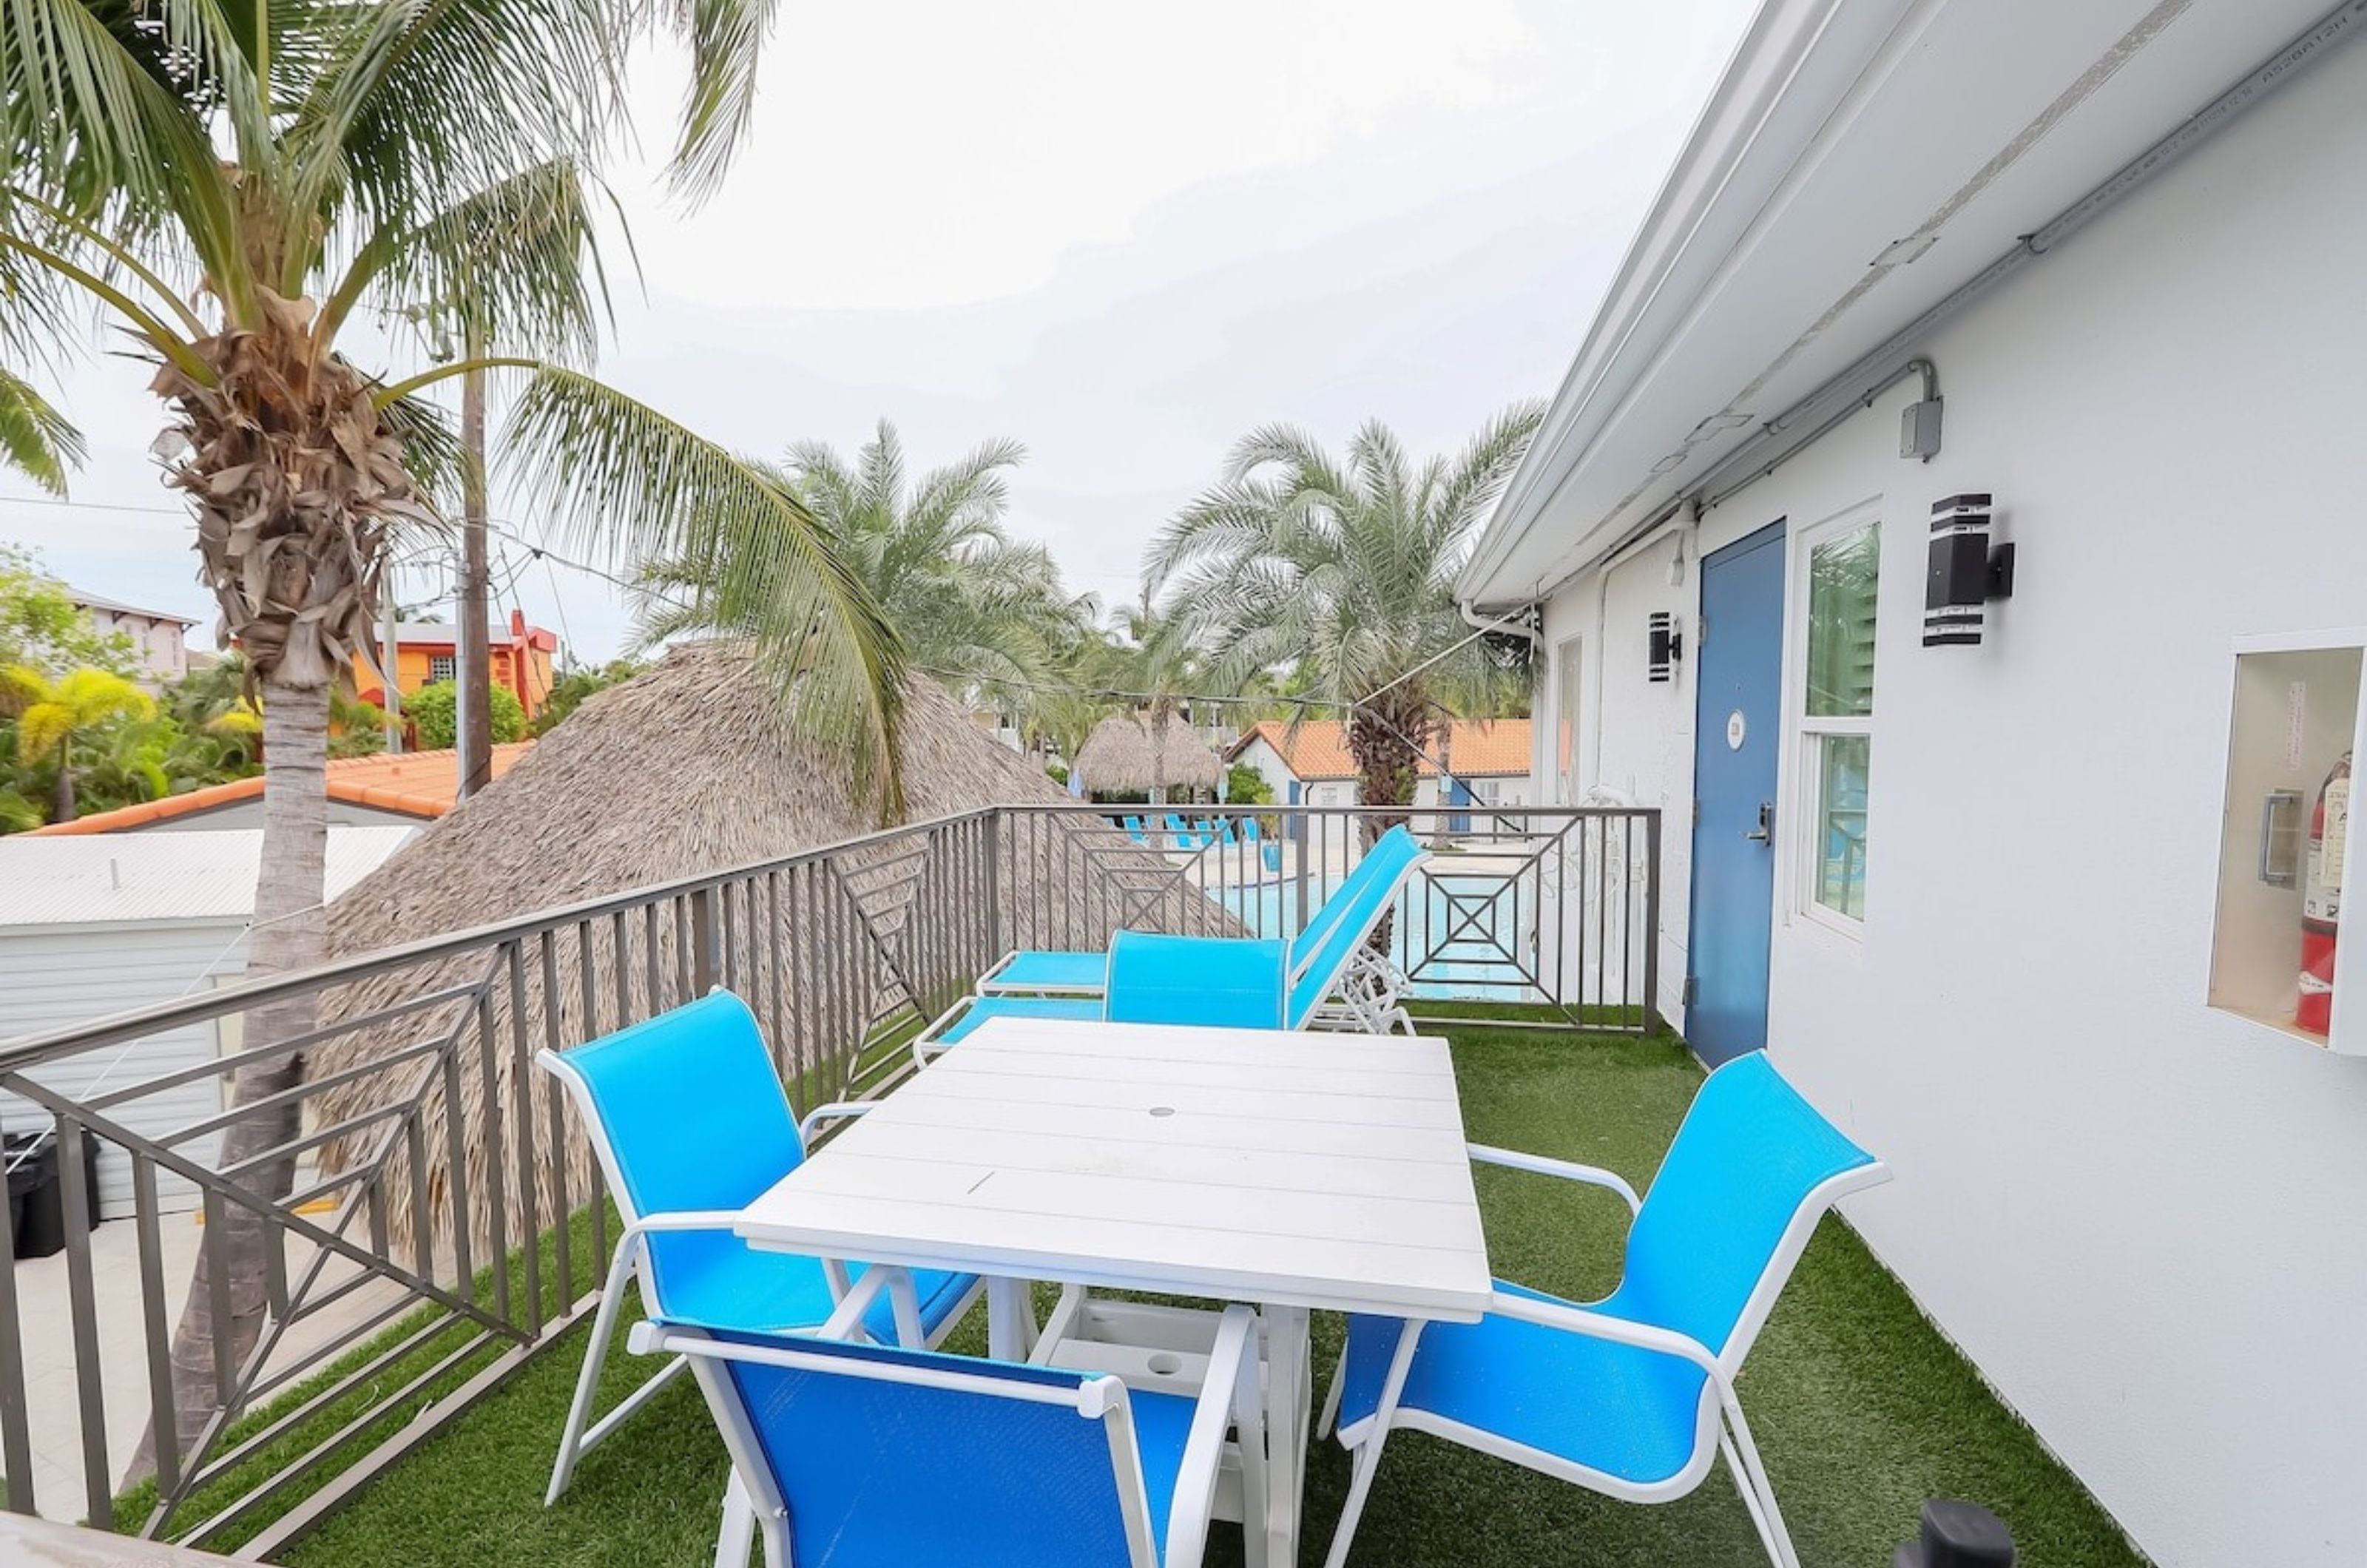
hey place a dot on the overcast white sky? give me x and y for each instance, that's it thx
(1123, 236)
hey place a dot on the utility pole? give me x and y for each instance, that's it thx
(475, 706)
(393, 614)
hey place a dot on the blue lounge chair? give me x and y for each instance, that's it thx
(1134, 829)
(1185, 841)
(1633, 1395)
(1326, 961)
(1361, 897)
(690, 1123)
(859, 1456)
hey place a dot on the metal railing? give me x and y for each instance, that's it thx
(1552, 907)
(422, 1211)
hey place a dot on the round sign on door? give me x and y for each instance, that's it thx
(1735, 730)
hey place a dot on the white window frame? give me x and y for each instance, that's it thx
(434, 661)
(1808, 731)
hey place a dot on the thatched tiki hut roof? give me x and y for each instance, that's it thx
(1130, 751)
(688, 771)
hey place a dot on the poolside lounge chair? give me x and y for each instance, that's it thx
(859, 1456)
(1186, 842)
(1328, 975)
(690, 1123)
(1365, 894)
(1631, 1396)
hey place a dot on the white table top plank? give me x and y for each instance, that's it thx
(1259, 1048)
(1241, 1164)
(1124, 1100)
(1146, 1196)
(1031, 1124)
(1050, 1067)
(1216, 1265)
(1296, 1169)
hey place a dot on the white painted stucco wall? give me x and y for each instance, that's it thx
(2145, 1221)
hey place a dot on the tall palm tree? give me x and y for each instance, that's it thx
(1344, 573)
(55, 717)
(235, 186)
(984, 612)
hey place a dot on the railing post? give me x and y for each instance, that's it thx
(1651, 919)
(15, 1431)
(705, 949)
(993, 838)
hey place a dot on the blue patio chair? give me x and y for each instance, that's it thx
(1152, 980)
(1186, 842)
(1249, 830)
(1134, 829)
(1354, 908)
(862, 1456)
(690, 1125)
(1632, 1395)
(1327, 959)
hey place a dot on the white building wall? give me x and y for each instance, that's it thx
(54, 976)
(1270, 767)
(2141, 1218)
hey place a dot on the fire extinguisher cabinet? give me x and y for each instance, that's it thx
(2289, 841)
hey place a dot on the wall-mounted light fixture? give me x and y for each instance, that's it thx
(1667, 647)
(1966, 572)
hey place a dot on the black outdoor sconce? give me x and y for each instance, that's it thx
(1668, 647)
(1966, 572)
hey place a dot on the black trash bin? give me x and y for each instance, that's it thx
(28, 1167)
(40, 1221)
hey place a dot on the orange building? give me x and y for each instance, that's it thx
(429, 651)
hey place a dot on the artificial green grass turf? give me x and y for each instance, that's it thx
(1861, 1409)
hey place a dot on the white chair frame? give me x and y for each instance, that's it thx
(1722, 1430)
(754, 1513)
(581, 1435)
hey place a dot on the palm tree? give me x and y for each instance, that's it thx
(985, 613)
(53, 716)
(1342, 573)
(236, 186)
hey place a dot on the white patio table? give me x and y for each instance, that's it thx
(1288, 1170)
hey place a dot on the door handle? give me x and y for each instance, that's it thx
(1765, 832)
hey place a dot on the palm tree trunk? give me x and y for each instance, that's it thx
(1386, 737)
(289, 933)
(62, 797)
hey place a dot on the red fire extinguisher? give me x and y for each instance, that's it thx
(2321, 898)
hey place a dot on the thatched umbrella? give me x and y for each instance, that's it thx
(1131, 751)
(686, 770)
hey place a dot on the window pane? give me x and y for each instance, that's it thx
(1841, 823)
(1842, 575)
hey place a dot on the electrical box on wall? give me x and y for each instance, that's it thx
(2287, 836)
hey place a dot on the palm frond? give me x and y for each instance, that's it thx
(432, 453)
(725, 38)
(621, 476)
(35, 439)
(519, 261)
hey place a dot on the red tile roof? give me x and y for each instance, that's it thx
(412, 784)
(1317, 748)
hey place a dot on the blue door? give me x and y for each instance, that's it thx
(1736, 726)
(1458, 794)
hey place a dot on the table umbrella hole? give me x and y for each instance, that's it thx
(1162, 1111)
(1165, 1363)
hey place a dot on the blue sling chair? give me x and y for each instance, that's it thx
(1328, 960)
(1633, 1395)
(690, 1123)
(863, 1456)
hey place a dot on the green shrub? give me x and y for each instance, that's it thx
(433, 712)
